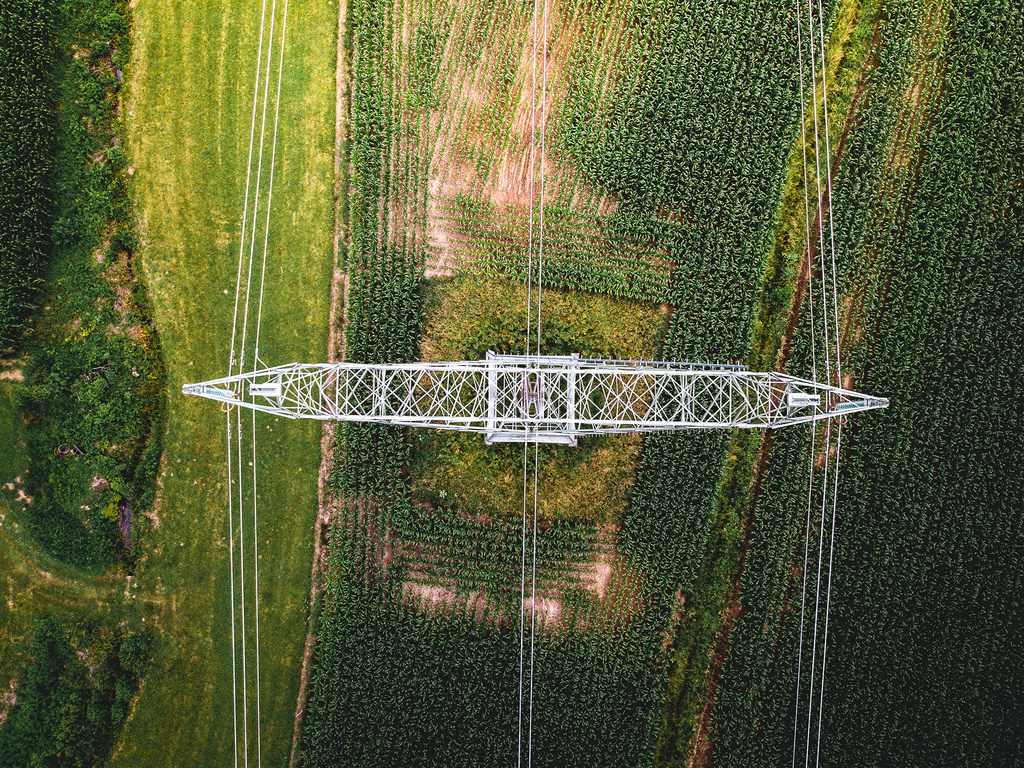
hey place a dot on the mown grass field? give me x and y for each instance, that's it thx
(188, 119)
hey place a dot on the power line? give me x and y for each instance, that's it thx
(526, 445)
(839, 381)
(817, 599)
(817, 170)
(259, 173)
(256, 594)
(831, 229)
(256, 355)
(540, 290)
(231, 553)
(828, 591)
(270, 190)
(248, 174)
(536, 447)
(814, 373)
(241, 364)
(241, 564)
(828, 368)
(533, 602)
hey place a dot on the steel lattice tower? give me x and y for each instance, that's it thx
(513, 398)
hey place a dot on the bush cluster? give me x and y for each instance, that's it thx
(67, 713)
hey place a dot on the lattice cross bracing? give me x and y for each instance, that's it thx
(544, 398)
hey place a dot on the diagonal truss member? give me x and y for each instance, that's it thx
(549, 399)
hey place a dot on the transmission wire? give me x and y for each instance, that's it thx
(839, 383)
(231, 554)
(814, 374)
(536, 444)
(828, 590)
(270, 189)
(241, 364)
(526, 445)
(256, 360)
(259, 173)
(241, 564)
(831, 228)
(231, 362)
(828, 430)
(248, 174)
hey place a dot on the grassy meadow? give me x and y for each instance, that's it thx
(189, 117)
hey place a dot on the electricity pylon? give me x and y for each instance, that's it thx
(547, 399)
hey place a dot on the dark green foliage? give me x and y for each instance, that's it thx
(27, 150)
(445, 693)
(931, 563)
(49, 194)
(68, 714)
(393, 687)
(924, 664)
(93, 397)
(92, 408)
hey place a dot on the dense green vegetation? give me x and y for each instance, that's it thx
(74, 696)
(27, 150)
(93, 440)
(696, 149)
(82, 411)
(922, 665)
(93, 393)
(445, 692)
(425, 678)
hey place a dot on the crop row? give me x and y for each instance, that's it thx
(27, 132)
(443, 690)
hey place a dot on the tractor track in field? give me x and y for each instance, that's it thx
(911, 127)
(703, 746)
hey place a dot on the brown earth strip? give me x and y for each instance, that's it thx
(910, 129)
(703, 747)
(335, 352)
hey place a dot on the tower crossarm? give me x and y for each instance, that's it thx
(549, 399)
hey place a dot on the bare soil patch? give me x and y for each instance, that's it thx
(480, 139)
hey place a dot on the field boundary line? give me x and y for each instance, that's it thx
(335, 352)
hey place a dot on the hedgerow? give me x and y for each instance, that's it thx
(93, 397)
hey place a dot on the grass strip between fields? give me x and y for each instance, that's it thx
(188, 121)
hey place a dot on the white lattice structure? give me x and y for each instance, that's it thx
(545, 399)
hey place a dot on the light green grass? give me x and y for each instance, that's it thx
(188, 122)
(469, 314)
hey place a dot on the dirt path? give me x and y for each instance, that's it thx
(702, 746)
(335, 353)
